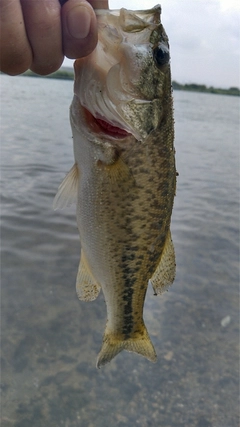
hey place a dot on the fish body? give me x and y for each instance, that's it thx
(124, 173)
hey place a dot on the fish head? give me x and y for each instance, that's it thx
(122, 87)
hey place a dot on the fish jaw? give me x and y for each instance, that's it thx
(115, 82)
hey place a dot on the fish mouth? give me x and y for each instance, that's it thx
(102, 127)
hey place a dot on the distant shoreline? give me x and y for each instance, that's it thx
(192, 87)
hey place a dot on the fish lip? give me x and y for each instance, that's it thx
(156, 8)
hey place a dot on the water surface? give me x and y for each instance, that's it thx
(50, 339)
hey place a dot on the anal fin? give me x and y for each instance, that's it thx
(86, 286)
(164, 274)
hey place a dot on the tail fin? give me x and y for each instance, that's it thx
(138, 343)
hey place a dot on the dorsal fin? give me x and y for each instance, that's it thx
(67, 191)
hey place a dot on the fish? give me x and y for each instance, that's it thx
(124, 176)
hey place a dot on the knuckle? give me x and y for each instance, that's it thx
(79, 50)
(16, 54)
(47, 67)
(15, 64)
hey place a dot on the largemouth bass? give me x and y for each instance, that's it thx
(124, 175)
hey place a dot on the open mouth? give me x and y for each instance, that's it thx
(100, 125)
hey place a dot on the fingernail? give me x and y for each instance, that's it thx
(79, 21)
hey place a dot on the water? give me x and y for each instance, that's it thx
(50, 339)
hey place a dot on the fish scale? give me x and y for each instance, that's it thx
(124, 174)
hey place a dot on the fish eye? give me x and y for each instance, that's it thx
(161, 55)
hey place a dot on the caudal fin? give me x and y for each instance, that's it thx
(138, 343)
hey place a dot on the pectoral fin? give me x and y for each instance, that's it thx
(86, 286)
(165, 272)
(67, 191)
(118, 171)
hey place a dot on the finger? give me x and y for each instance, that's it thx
(15, 51)
(79, 27)
(43, 26)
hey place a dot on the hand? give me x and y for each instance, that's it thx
(36, 34)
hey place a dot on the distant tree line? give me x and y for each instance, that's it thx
(203, 88)
(60, 74)
(193, 87)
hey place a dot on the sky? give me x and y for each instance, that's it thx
(204, 38)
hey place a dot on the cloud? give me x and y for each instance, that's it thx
(204, 38)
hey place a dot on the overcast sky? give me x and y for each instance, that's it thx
(204, 38)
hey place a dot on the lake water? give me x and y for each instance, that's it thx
(50, 339)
